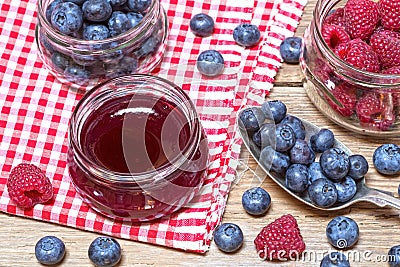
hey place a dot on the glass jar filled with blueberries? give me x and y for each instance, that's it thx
(84, 42)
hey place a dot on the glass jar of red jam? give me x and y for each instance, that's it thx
(364, 102)
(82, 63)
(137, 150)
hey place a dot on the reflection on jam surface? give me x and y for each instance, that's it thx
(125, 134)
(136, 135)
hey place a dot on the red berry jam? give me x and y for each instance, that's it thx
(137, 150)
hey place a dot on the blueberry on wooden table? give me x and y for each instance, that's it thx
(202, 25)
(210, 63)
(228, 237)
(394, 256)
(104, 251)
(50, 250)
(256, 201)
(290, 49)
(335, 259)
(342, 232)
(386, 159)
(246, 34)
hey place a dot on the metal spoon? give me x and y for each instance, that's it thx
(364, 193)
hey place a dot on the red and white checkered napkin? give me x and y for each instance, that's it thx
(35, 110)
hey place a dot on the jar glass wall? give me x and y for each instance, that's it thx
(340, 91)
(85, 63)
(137, 150)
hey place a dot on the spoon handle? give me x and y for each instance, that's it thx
(380, 198)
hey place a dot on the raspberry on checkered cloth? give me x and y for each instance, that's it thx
(28, 185)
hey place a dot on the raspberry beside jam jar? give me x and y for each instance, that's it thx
(137, 150)
(365, 101)
(83, 58)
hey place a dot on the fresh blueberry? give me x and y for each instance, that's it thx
(285, 138)
(290, 49)
(246, 34)
(104, 251)
(265, 136)
(126, 65)
(50, 250)
(386, 159)
(346, 189)
(78, 2)
(138, 6)
(67, 18)
(50, 8)
(297, 178)
(252, 118)
(149, 46)
(394, 256)
(228, 237)
(210, 63)
(275, 108)
(274, 161)
(358, 166)
(322, 192)
(301, 153)
(77, 74)
(61, 61)
(202, 25)
(315, 172)
(135, 18)
(256, 201)
(118, 23)
(95, 32)
(322, 140)
(335, 163)
(335, 259)
(296, 124)
(117, 3)
(96, 10)
(342, 232)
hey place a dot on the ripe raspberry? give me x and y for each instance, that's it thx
(280, 240)
(389, 11)
(376, 110)
(345, 96)
(336, 17)
(387, 46)
(359, 54)
(334, 35)
(392, 70)
(28, 186)
(360, 18)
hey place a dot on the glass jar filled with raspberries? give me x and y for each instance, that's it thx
(84, 42)
(351, 60)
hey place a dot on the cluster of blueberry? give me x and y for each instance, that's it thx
(211, 62)
(98, 27)
(103, 251)
(286, 153)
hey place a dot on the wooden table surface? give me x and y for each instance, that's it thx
(379, 227)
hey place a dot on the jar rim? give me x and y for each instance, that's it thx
(143, 177)
(320, 12)
(132, 32)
